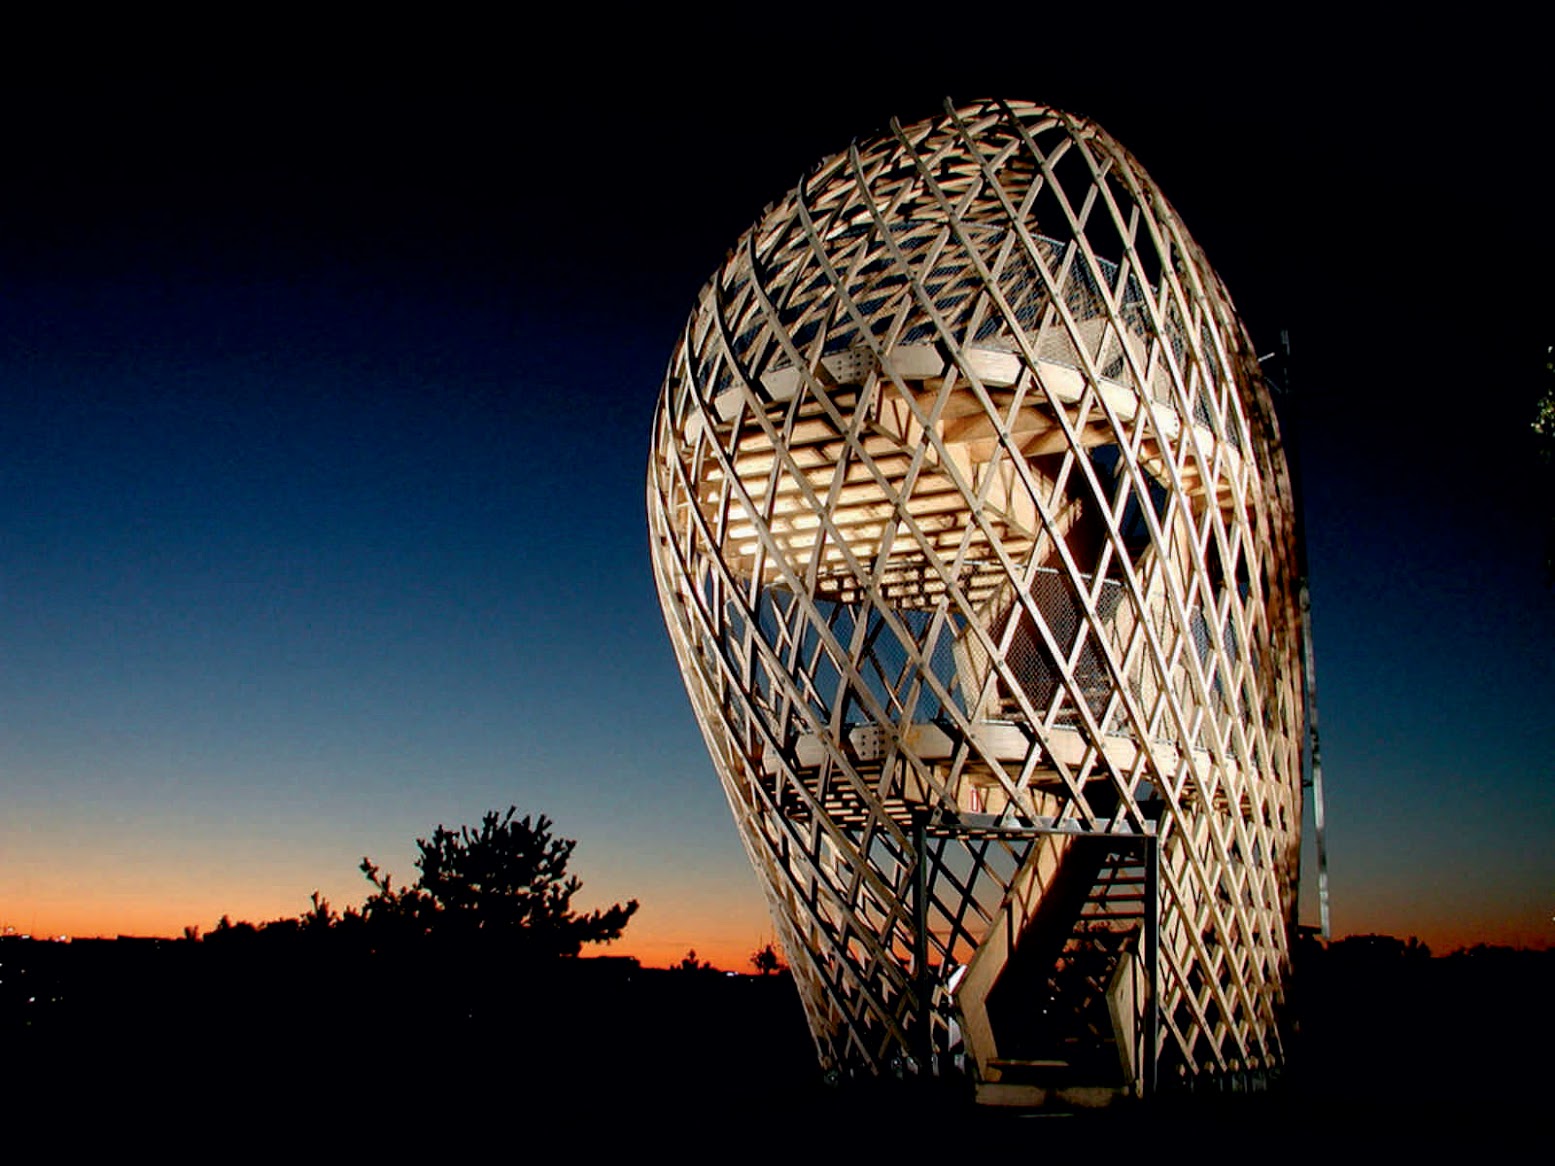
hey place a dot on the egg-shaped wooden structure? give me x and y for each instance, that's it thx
(974, 538)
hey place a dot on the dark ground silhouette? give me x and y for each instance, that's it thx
(1392, 1046)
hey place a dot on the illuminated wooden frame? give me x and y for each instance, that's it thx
(974, 539)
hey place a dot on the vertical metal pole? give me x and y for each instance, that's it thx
(1152, 1018)
(920, 920)
(1316, 754)
(1309, 666)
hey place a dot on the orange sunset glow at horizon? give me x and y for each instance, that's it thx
(727, 938)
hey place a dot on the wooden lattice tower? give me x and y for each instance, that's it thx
(974, 539)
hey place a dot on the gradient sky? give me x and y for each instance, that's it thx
(327, 407)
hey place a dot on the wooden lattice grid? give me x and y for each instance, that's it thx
(974, 540)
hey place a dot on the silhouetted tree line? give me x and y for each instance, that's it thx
(767, 961)
(1378, 1017)
(465, 981)
(483, 940)
(502, 888)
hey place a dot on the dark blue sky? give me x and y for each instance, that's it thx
(321, 516)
